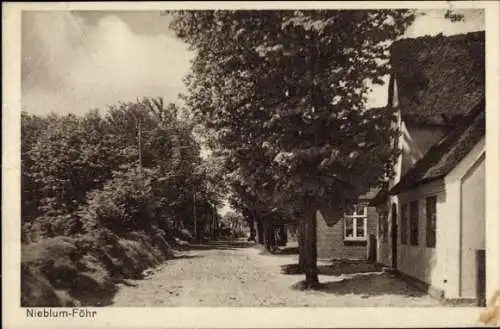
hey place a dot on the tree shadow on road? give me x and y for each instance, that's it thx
(288, 251)
(220, 245)
(125, 282)
(186, 257)
(368, 285)
(336, 268)
(282, 251)
(358, 278)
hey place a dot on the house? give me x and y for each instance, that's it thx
(346, 236)
(431, 225)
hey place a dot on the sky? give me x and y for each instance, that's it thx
(74, 62)
(77, 61)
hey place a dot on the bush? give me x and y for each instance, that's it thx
(78, 172)
(125, 204)
(36, 290)
(47, 226)
(185, 235)
(81, 270)
(52, 249)
(88, 214)
(95, 289)
(63, 158)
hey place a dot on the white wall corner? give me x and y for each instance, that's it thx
(448, 228)
(470, 159)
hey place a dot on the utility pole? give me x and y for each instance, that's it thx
(139, 139)
(194, 214)
(214, 223)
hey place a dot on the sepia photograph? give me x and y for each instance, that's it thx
(269, 158)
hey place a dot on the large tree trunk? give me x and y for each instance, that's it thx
(267, 233)
(311, 267)
(250, 217)
(300, 240)
(253, 233)
(260, 230)
(271, 236)
(282, 235)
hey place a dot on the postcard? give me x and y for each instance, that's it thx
(250, 164)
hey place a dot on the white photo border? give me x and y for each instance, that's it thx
(226, 317)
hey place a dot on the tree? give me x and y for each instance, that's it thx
(69, 162)
(244, 199)
(167, 143)
(32, 127)
(68, 158)
(283, 93)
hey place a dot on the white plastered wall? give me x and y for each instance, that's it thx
(449, 222)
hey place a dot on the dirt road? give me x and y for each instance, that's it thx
(237, 274)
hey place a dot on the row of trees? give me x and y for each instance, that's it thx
(282, 97)
(138, 167)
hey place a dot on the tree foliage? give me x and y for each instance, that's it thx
(283, 94)
(84, 172)
(129, 202)
(67, 158)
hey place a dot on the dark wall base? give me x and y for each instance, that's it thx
(434, 292)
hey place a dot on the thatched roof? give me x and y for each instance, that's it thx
(370, 194)
(447, 153)
(380, 197)
(440, 78)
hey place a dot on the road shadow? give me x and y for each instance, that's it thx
(220, 245)
(280, 251)
(336, 268)
(125, 282)
(186, 257)
(367, 285)
(359, 278)
(285, 251)
(288, 251)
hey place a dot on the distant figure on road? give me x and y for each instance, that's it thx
(282, 236)
(276, 237)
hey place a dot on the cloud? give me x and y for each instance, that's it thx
(72, 64)
(434, 22)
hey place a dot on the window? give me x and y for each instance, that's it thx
(431, 222)
(355, 223)
(414, 223)
(404, 224)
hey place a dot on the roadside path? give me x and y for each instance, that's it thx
(238, 274)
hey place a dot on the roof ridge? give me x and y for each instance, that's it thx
(430, 167)
(480, 33)
(464, 122)
(439, 75)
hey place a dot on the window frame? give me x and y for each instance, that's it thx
(404, 224)
(414, 221)
(355, 221)
(431, 230)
